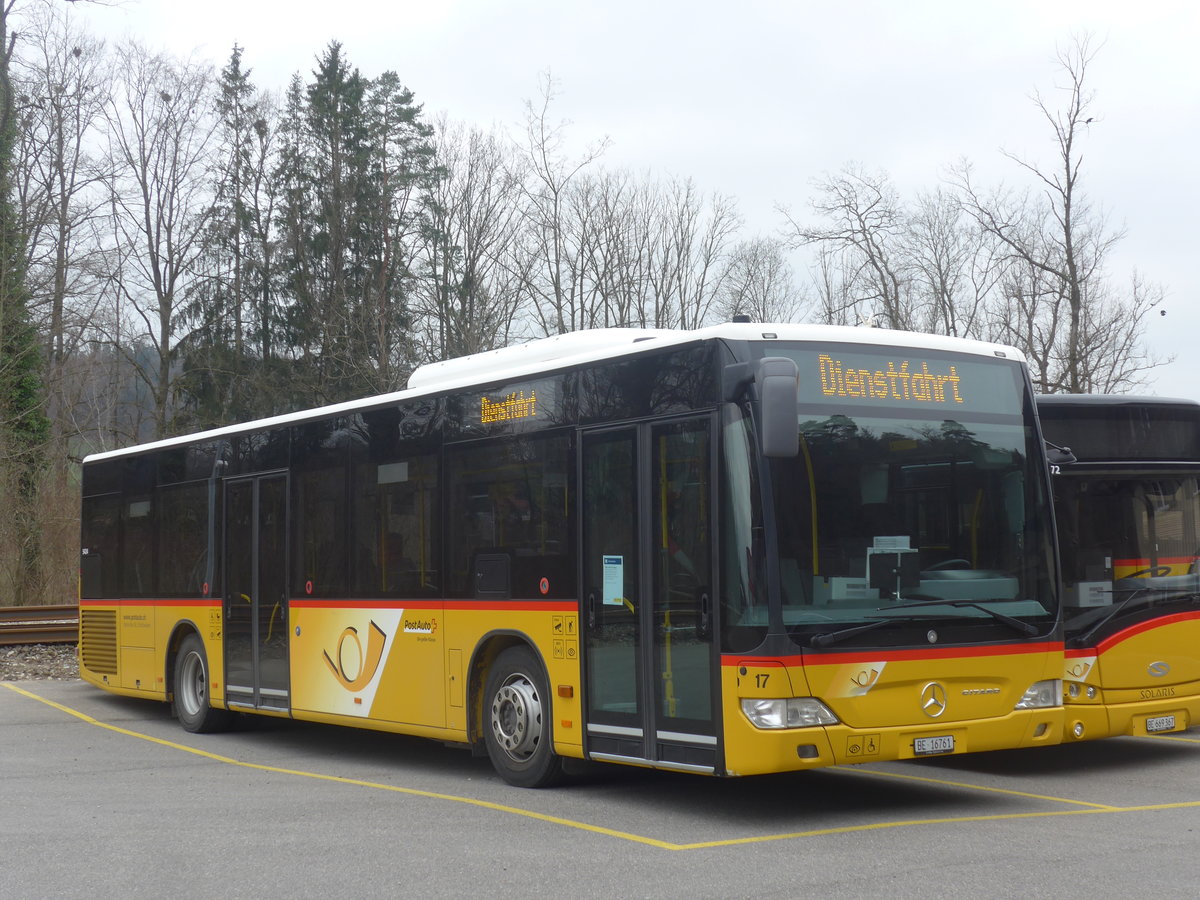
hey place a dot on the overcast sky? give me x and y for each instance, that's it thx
(756, 99)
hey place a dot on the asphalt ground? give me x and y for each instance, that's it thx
(104, 796)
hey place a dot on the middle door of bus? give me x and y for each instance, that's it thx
(256, 606)
(647, 550)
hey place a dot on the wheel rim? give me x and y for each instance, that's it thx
(517, 718)
(191, 693)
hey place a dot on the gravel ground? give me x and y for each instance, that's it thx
(27, 662)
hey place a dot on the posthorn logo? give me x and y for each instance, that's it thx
(350, 665)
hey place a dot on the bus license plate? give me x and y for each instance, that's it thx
(1160, 723)
(928, 745)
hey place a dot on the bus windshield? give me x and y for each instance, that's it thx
(1127, 541)
(915, 506)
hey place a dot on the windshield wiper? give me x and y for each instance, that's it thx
(828, 638)
(1061, 456)
(1023, 627)
(1104, 620)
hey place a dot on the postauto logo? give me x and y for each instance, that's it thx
(350, 666)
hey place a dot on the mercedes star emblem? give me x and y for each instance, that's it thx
(933, 699)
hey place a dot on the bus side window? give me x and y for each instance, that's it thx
(138, 528)
(320, 458)
(183, 539)
(98, 568)
(394, 521)
(512, 497)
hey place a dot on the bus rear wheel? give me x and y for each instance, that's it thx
(517, 721)
(191, 690)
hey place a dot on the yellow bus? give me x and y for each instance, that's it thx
(742, 549)
(1127, 501)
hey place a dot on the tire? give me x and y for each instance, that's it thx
(517, 717)
(191, 690)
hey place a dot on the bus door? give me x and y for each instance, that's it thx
(647, 538)
(256, 613)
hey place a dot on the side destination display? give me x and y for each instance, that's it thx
(514, 406)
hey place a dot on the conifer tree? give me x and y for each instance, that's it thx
(231, 308)
(24, 428)
(355, 159)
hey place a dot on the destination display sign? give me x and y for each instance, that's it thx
(852, 376)
(512, 406)
(902, 379)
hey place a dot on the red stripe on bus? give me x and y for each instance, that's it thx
(307, 603)
(1142, 627)
(523, 605)
(167, 601)
(333, 603)
(1162, 561)
(476, 605)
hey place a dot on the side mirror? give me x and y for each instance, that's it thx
(778, 381)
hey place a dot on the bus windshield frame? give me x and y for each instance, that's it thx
(916, 511)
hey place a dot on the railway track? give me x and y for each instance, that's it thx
(39, 624)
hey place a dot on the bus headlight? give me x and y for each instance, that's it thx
(793, 712)
(1042, 694)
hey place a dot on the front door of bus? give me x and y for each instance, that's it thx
(256, 614)
(647, 601)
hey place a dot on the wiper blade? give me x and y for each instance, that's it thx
(1061, 455)
(827, 638)
(1169, 596)
(1086, 636)
(1026, 628)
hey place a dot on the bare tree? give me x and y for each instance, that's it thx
(64, 80)
(160, 125)
(866, 227)
(835, 302)
(1028, 311)
(1111, 334)
(1063, 243)
(556, 276)
(620, 256)
(471, 272)
(953, 266)
(690, 254)
(760, 284)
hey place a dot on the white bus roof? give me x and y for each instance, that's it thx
(581, 348)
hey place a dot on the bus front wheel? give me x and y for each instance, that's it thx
(517, 721)
(191, 690)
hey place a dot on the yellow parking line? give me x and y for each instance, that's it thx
(879, 826)
(583, 826)
(1094, 809)
(978, 787)
(1173, 737)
